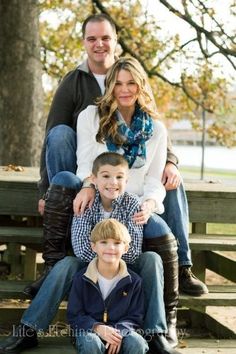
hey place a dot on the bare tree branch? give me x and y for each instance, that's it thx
(224, 50)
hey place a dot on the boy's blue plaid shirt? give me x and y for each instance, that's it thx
(124, 208)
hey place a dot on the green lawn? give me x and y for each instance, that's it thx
(228, 229)
(209, 174)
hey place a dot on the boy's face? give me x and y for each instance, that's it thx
(111, 181)
(110, 250)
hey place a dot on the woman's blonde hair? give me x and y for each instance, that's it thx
(110, 228)
(107, 104)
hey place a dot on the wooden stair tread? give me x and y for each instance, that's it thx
(21, 234)
(13, 289)
(61, 345)
(219, 295)
(197, 241)
(212, 242)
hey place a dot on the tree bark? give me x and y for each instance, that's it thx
(21, 94)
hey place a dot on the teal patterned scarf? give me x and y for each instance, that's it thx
(135, 137)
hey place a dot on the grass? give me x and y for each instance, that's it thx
(209, 174)
(227, 229)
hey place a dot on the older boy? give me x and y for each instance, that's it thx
(106, 303)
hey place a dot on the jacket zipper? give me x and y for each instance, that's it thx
(105, 312)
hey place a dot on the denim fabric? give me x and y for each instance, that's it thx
(177, 217)
(92, 344)
(67, 179)
(155, 227)
(60, 150)
(55, 288)
(61, 156)
(149, 266)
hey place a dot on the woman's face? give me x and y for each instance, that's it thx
(125, 90)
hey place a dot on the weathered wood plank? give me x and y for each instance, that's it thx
(22, 235)
(211, 299)
(222, 265)
(61, 345)
(54, 345)
(212, 242)
(19, 196)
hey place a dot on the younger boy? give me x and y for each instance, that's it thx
(106, 302)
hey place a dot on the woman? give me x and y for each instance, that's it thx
(125, 121)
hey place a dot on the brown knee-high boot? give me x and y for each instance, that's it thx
(57, 218)
(166, 247)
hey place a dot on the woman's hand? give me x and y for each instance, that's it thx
(147, 208)
(171, 177)
(84, 199)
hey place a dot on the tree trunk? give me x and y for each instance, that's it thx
(21, 95)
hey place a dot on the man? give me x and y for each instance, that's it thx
(79, 89)
(100, 41)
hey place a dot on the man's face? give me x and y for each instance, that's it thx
(100, 42)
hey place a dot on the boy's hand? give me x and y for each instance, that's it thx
(109, 334)
(113, 349)
(171, 177)
(84, 199)
(147, 208)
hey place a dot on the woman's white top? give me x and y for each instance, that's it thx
(144, 181)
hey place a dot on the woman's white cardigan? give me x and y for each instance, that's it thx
(145, 181)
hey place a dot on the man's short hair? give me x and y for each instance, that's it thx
(109, 158)
(110, 228)
(98, 18)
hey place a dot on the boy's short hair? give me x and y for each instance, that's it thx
(98, 18)
(108, 158)
(110, 228)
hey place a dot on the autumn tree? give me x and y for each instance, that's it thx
(21, 96)
(197, 84)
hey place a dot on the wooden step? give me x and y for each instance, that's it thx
(211, 242)
(53, 345)
(207, 346)
(62, 345)
(22, 235)
(219, 295)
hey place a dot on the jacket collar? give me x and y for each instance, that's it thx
(92, 271)
(84, 67)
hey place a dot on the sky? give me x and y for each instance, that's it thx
(173, 25)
